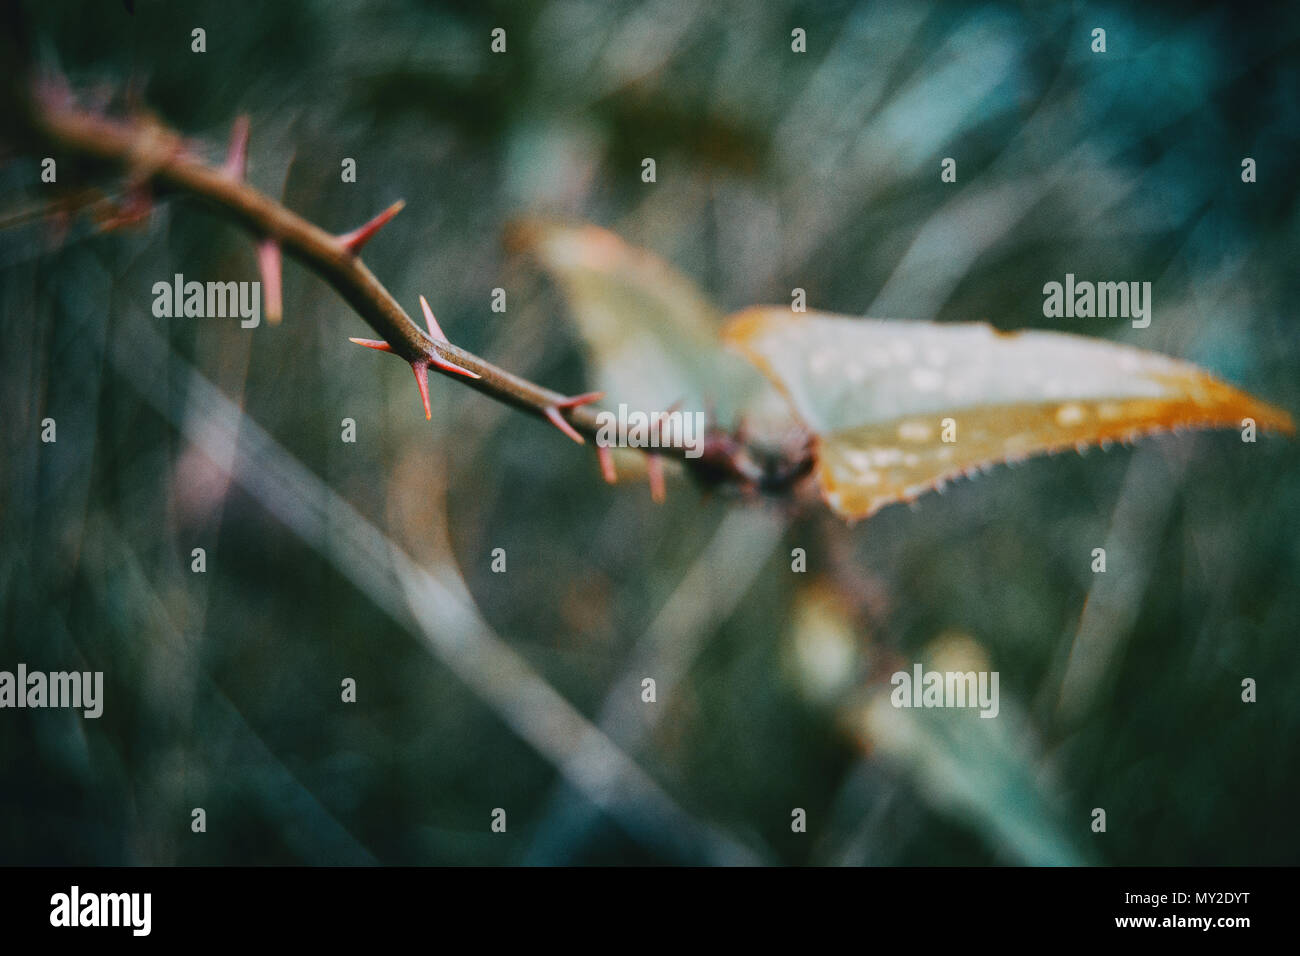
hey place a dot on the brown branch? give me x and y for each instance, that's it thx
(151, 153)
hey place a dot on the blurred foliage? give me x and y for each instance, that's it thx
(775, 170)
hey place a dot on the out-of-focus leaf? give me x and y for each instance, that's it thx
(990, 775)
(651, 335)
(876, 394)
(823, 644)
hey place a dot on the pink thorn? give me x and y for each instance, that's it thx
(435, 331)
(379, 345)
(268, 262)
(421, 370)
(446, 366)
(134, 209)
(357, 238)
(556, 419)
(236, 164)
(659, 425)
(654, 469)
(606, 458)
(585, 398)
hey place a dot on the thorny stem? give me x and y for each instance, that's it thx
(151, 153)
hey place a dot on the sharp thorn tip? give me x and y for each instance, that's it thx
(654, 469)
(354, 240)
(379, 345)
(556, 419)
(268, 262)
(435, 330)
(422, 383)
(606, 458)
(584, 399)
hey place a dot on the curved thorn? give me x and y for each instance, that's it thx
(654, 469)
(268, 262)
(236, 164)
(435, 331)
(357, 238)
(379, 345)
(606, 458)
(422, 382)
(556, 419)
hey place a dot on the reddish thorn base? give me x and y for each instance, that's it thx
(446, 366)
(436, 333)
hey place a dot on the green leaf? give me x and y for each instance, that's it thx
(900, 407)
(651, 335)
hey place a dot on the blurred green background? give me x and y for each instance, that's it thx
(521, 690)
